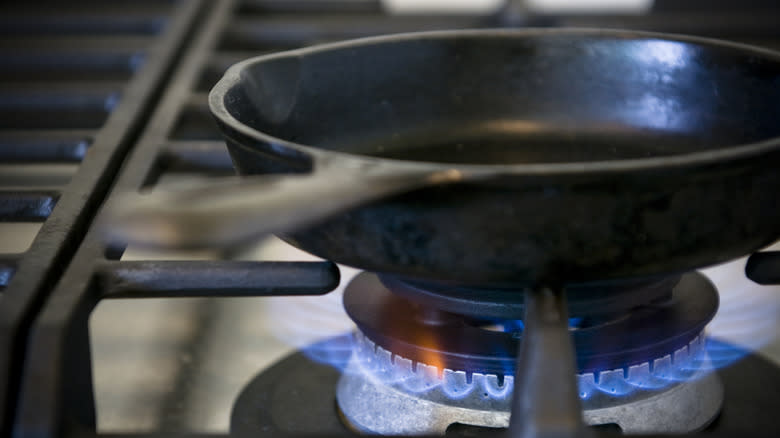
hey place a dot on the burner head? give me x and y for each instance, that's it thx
(488, 345)
(584, 300)
(424, 399)
(632, 365)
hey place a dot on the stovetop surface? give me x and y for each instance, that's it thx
(136, 80)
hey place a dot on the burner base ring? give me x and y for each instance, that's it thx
(383, 394)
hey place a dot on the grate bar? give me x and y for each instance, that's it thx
(8, 264)
(85, 17)
(545, 401)
(66, 146)
(75, 43)
(68, 96)
(27, 206)
(47, 65)
(175, 279)
(29, 106)
(72, 24)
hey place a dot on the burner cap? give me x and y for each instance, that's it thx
(587, 299)
(421, 334)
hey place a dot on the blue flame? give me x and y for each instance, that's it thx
(335, 351)
(456, 388)
(375, 363)
(498, 391)
(748, 318)
(317, 326)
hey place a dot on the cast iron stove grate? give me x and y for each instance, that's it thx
(76, 83)
(86, 78)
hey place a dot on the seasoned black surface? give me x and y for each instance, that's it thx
(599, 299)
(555, 107)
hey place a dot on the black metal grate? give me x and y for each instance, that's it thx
(80, 88)
(180, 137)
(76, 82)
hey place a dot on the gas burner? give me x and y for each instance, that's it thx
(272, 402)
(649, 331)
(431, 368)
(391, 395)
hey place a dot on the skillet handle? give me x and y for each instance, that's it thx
(233, 212)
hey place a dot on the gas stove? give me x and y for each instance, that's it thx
(98, 99)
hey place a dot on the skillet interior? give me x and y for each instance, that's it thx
(492, 99)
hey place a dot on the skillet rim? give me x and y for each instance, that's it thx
(232, 77)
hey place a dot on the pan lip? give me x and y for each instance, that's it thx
(232, 77)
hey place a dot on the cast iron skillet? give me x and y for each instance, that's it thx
(570, 154)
